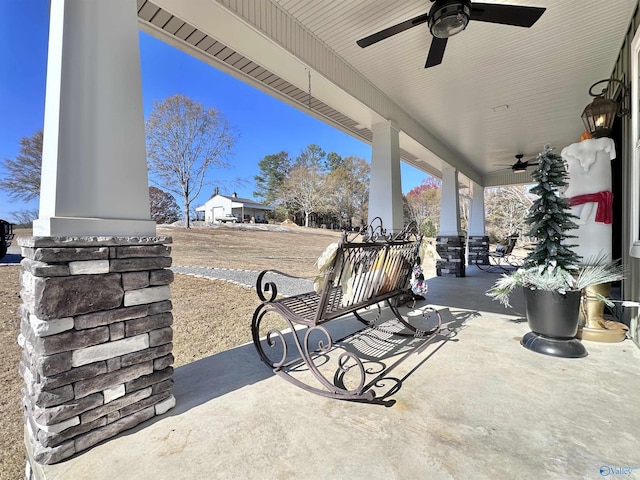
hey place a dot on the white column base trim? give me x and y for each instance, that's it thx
(77, 226)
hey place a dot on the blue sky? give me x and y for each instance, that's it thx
(265, 125)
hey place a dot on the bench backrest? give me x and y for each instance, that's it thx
(368, 271)
(6, 228)
(508, 248)
(511, 243)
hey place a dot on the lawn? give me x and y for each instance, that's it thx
(209, 315)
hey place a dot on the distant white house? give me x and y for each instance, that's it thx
(244, 209)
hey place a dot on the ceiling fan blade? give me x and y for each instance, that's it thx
(391, 31)
(436, 52)
(517, 15)
(503, 169)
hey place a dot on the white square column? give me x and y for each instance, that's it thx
(450, 243)
(477, 240)
(385, 185)
(94, 169)
(476, 215)
(449, 203)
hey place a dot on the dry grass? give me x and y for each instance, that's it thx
(11, 447)
(209, 315)
(292, 251)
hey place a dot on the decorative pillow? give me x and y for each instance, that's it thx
(392, 269)
(348, 292)
(362, 286)
(428, 249)
(325, 260)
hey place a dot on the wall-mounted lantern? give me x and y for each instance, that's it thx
(599, 115)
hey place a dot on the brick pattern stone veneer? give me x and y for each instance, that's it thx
(451, 251)
(96, 339)
(478, 250)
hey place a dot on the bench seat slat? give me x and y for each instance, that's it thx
(303, 308)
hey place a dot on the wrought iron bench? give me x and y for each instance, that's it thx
(6, 235)
(368, 267)
(502, 258)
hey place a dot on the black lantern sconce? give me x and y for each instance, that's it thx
(599, 115)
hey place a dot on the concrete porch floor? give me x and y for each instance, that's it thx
(475, 405)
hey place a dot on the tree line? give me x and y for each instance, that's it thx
(185, 141)
(315, 188)
(22, 182)
(505, 209)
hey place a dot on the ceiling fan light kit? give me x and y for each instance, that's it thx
(447, 18)
(521, 166)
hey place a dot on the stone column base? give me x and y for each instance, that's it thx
(96, 339)
(451, 251)
(478, 250)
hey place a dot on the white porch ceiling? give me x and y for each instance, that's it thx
(453, 113)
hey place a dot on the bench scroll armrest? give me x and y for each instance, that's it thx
(266, 287)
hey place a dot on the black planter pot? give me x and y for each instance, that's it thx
(553, 319)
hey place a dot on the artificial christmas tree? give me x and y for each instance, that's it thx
(549, 218)
(551, 278)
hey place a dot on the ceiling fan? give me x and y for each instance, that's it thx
(520, 166)
(449, 17)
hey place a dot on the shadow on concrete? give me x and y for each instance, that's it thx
(452, 324)
(204, 380)
(469, 293)
(211, 377)
(11, 259)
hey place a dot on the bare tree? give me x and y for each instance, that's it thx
(184, 140)
(22, 174)
(506, 209)
(348, 186)
(24, 218)
(422, 205)
(163, 206)
(464, 198)
(305, 190)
